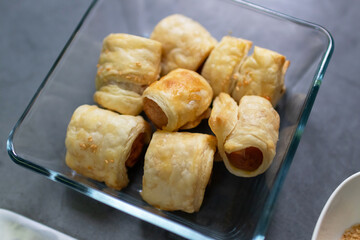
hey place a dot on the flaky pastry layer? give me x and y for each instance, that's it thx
(261, 74)
(183, 96)
(99, 142)
(227, 55)
(127, 64)
(253, 126)
(177, 169)
(186, 44)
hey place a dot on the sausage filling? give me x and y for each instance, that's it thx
(155, 113)
(248, 159)
(136, 149)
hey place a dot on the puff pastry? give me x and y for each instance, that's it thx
(180, 99)
(127, 65)
(186, 44)
(228, 54)
(247, 134)
(101, 143)
(261, 74)
(177, 169)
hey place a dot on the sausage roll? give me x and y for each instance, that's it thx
(180, 99)
(177, 169)
(247, 134)
(186, 44)
(261, 74)
(222, 61)
(101, 144)
(127, 65)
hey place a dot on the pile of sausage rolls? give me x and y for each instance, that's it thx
(178, 77)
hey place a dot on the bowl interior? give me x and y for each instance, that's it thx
(341, 211)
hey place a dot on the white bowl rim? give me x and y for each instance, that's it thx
(29, 224)
(328, 204)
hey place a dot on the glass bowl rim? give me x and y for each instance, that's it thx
(152, 218)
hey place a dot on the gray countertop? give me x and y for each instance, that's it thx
(32, 33)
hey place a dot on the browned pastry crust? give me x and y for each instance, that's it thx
(227, 56)
(127, 65)
(179, 99)
(177, 169)
(186, 44)
(247, 134)
(101, 143)
(261, 74)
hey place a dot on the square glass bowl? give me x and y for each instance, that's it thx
(233, 207)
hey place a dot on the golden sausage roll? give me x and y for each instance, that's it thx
(127, 65)
(222, 62)
(177, 169)
(186, 44)
(180, 99)
(101, 144)
(247, 134)
(261, 74)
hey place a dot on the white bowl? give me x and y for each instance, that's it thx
(341, 211)
(16, 226)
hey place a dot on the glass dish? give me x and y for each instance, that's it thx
(233, 207)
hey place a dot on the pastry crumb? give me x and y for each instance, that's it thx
(352, 233)
(83, 146)
(93, 147)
